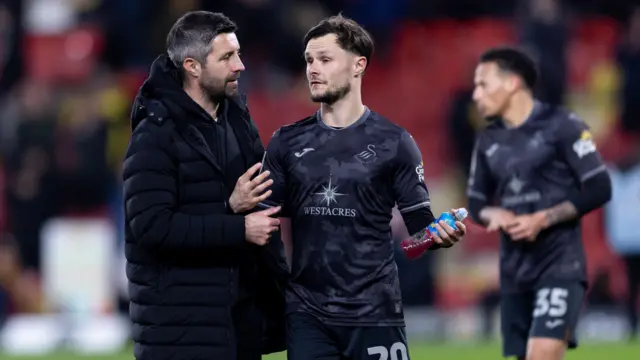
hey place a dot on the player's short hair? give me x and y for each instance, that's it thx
(514, 61)
(191, 35)
(351, 36)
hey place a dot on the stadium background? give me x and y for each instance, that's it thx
(70, 69)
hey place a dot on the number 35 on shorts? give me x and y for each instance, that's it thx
(551, 302)
(397, 351)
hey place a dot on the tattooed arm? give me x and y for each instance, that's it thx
(580, 154)
(593, 189)
(560, 213)
(595, 193)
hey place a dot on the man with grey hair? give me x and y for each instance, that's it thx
(205, 281)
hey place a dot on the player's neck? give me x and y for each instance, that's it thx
(199, 97)
(518, 110)
(343, 112)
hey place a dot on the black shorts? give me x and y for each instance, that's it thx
(549, 311)
(309, 339)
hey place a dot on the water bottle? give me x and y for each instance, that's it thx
(419, 243)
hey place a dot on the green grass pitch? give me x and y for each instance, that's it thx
(617, 351)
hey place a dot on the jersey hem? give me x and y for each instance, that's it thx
(348, 322)
(357, 323)
(514, 288)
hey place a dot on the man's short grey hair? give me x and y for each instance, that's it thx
(191, 35)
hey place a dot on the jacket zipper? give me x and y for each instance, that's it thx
(230, 338)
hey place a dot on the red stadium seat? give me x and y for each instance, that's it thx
(594, 41)
(68, 57)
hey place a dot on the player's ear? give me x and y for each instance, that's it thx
(359, 66)
(514, 82)
(509, 83)
(192, 67)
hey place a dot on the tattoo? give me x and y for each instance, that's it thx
(560, 213)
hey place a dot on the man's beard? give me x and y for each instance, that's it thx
(331, 96)
(216, 90)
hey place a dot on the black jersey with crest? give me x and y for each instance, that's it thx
(339, 186)
(534, 167)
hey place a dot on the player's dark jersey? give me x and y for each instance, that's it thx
(530, 168)
(339, 186)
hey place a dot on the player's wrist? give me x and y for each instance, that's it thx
(544, 218)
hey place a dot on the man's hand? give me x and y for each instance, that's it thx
(447, 236)
(259, 225)
(527, 227)
(496, 218)
(248, 193)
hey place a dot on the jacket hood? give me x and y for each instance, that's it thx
(162, 91)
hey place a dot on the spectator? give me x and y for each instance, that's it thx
(629, 62)
(621, 219)
(546, 36)
(31, 182)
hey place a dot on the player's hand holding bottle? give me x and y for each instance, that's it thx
(445, 231)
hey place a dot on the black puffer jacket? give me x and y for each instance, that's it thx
(183, 245)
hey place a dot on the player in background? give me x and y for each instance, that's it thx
(535, 172)
(338, 174)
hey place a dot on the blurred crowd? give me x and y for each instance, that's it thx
(70, 69)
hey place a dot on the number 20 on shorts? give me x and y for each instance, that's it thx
(397, 351)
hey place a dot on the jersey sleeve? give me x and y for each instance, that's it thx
(480, 186)
(579, 150)
(273, 161)
(408, 178)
